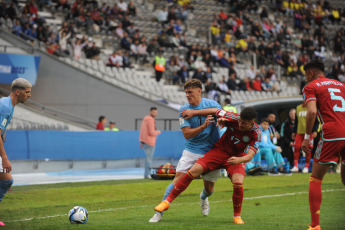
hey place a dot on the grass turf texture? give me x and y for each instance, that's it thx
(269, 203)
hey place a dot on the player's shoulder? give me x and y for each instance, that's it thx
(185, 106)
(210, 103)
(4, 105)
(256, 129)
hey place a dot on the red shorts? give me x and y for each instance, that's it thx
(217, 159)
(330, 151)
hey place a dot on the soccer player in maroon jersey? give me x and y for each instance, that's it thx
(326, 98)
(237, 146)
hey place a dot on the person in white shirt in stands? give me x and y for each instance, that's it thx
(123, 6)
(251, 73)
(142, 51)
(116, 59)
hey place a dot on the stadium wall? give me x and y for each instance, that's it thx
(95, 145)
(71, 90)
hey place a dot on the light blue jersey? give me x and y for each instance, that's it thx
(6, 113)
(204, 141)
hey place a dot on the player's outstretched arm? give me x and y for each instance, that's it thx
(189, 113)
(243, 159)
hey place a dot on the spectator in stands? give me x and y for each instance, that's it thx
(17, 28)
(286, 140)
(242, 45)
(63, 41)
(232, 84)
(125, 41)
(92, 52)
(134, 50)
(270, 151)
(199, 74)
(112, 127)
(132, 10)
(123, 6)
(116, 59)
(42, 34)
(119, 31)
(211, 90)
(77, 48)
(222, 87)
(273, 128)
(215, 33)
(159, 65)
(183, 74)
(257, 84)
(162, 16)
(102, 120)
(148, 136)
(153, 45)
(126, 60)
(298, 131)
(251, 73)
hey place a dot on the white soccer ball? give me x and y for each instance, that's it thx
(78, 215)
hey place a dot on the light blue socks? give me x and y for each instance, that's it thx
(167, 192)
(204, 194)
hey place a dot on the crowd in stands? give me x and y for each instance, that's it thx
(239, 30)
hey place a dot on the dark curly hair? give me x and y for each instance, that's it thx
(248, 113)
(315, 64)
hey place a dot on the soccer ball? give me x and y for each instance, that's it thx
(78, 215)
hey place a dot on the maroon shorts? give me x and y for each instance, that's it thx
(330, 151)
(217, 159)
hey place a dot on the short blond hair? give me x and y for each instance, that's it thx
(20, 83)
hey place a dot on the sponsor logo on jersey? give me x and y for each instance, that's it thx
(222, 113)
(3, 123)
(181, 120)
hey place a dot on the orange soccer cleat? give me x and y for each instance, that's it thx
(317, 227)
(164, 205)
(238, 220)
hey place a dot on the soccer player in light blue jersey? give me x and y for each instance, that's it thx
(201, 134)
(21, 91)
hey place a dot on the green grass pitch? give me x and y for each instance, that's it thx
(269, 203)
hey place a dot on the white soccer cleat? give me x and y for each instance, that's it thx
(156, 218)
(294, 169)
(205, 206)
(305, 170)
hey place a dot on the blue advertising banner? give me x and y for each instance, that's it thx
(13, 66)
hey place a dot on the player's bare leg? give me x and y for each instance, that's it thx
(157, 217)
(237, 196)
(315, 193)
(181, 185)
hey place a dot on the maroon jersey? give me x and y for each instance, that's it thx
(234, 141)
(329, 95)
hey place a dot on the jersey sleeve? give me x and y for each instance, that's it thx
(254, 143)
(228, 115)
(183, 122)
(309, 93)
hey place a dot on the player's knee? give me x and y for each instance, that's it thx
(5, 185)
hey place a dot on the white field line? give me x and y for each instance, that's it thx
(146, 206)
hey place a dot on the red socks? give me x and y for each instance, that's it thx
(180, 187)
(237, 198)
(315, 199)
